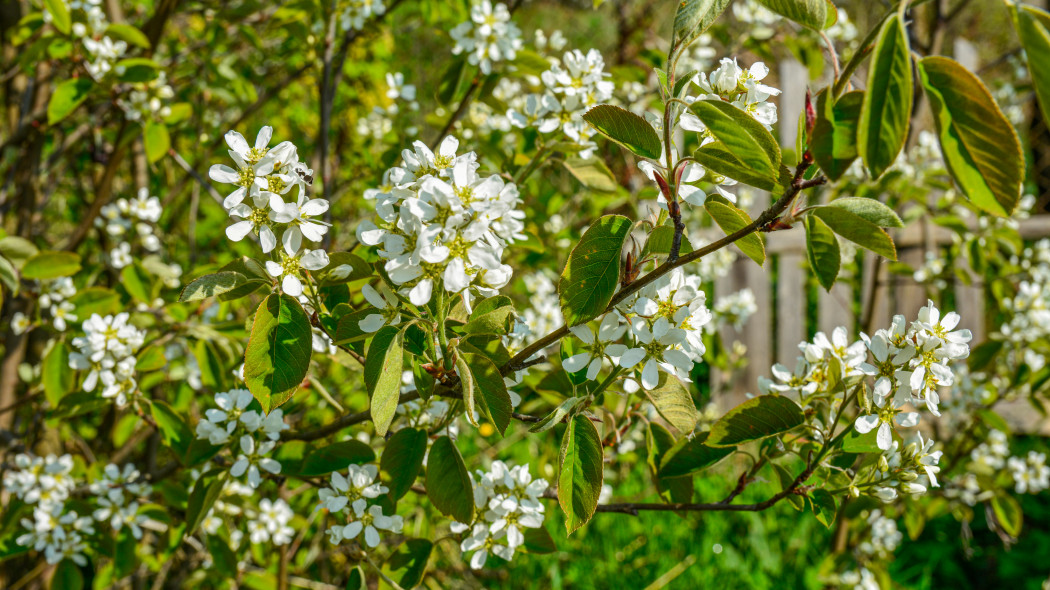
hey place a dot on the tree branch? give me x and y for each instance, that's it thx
(798, 184)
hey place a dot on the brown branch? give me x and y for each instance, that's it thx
(798, 184)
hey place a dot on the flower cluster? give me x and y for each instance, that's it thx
(357, 12)
(89, 25)
(265, 177)
(147, 101)
(348, 496)
(53, 299)
(232, 420)
(128, 219)
(1030, 473)
(107, 350)
(661, 328)
(488, 37)
(991, 461)
(910, 363)
(46, 484)
(443, 226)
(573, 84)
(733, 84)
(270, 523)
(117, 494)
(507, 499)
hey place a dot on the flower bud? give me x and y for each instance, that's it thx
(883, 464)
(910, 450)
(908, 476)
(854, 492)
(913, 488)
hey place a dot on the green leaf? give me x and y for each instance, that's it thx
(50, 264)
(212, 285)
(555, 417)
(592, 173)
(383, 365)
(580, 475)
(823, 505)
(731, 218)
(448, 485)
(755, 419)
(539, 541)
(658, 443)
(659, 242)
(94, 300)
(1033, 27)
(822, 249)
(625, 128)
(486, 388)
(205, 492)
(17, 250)
(717, 158)
(356, 580)
(336, 457)
(592, 274)
(808, 13)
(156, 139)
(223, 558)
(886, 110)
(402, 460)
(741, 135)
(55, 373)
(690, 455)
(494, 315)
(176, 435)
(344, 267)
(67, 575)
(150, 358)
(979, 145)
(786, 479)
(693, 17)
(411, 556)
(127, 33)
(1008, 514)
(834, 140)
(137, 70)
(67, 97)
(982, 355)
(857, 230)
(855, 442)
(60, 17)
(673, 402)
(8, 278)
(137, 282)
(870, 210)
(278, 352)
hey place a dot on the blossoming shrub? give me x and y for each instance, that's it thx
(358, 357)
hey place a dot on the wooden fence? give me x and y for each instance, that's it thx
(782, 320)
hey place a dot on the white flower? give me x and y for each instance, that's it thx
(19, 323)
(297, 218)
(250, 460)
(371, 521)
(656, 347)
(291, 267)
(595, 345)
(251, 219)
(887, 412)
(396, 87)
(271, 523)
(358, 483)
(386, 302)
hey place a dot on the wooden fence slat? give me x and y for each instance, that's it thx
(835, 308)
(791, 306)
